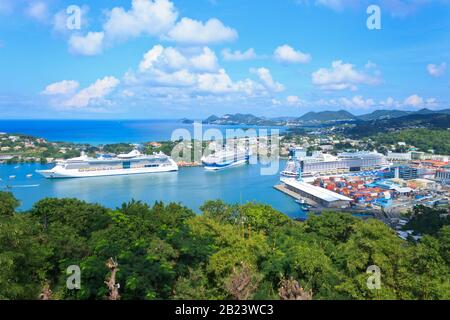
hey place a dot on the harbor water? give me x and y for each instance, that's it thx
(98, 132)
(190, 187)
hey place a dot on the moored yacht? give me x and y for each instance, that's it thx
(122, 164)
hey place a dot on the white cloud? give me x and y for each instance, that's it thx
(156, 18)
(294, 101)
(64, 93)
(61, 88)
(276, 102)
(189, 72)
(206, 61)
(215, 82)
(287, 54)
(436, 70)
(145, 17)
(370, 65)
(37, 10)
(390, 103)
(196, 32)
(335, 4)
(266, 78)
(357, 102)
(342, 76)
(89, 45)
(60, 20)
(169, 58)
(149, 17)
(417, 101)
(185, 84)
(98, 90)
(229, 55)
(414, 101)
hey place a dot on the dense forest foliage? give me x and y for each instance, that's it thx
(423, 139)
(228, 252)
(414, 121)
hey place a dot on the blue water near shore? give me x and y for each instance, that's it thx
(107, 131)
(190, 187)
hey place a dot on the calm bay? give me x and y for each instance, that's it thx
(190, 186)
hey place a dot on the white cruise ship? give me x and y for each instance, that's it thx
(123, 164)
(291, 170)
(225, 158)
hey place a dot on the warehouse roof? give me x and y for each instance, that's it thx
(318, 192)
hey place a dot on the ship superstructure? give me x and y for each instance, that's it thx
(122, 164)
(226, 157)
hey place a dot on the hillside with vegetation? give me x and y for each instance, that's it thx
(24, 148)
(423, 139)
(246, 251)
(413, 121)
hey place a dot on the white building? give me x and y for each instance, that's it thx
(443, 175)
(324, 197)
(396, 156)
(344, 163)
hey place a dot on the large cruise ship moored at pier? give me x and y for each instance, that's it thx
(226, 157)
(123, 164)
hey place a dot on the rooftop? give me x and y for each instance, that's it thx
(317, 192)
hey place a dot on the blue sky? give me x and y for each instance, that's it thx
(194, 58)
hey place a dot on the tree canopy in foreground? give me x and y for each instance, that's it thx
(246, 251)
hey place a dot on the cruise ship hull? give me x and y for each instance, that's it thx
(49, 174)
(221, 166)
(67, 174)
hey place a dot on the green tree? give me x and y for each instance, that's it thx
(82, 217)
(23, 258)
(8, 203)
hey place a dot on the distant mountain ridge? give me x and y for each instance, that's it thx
(424, 119)
(312, 118)
(327, 116)
(240, 119)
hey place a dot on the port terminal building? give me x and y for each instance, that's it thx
(325, 164)
(321, 196)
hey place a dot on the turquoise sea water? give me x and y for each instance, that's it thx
(106, 131)
(190, 187)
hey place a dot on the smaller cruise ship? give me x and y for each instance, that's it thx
(226, 157)
(122, 164)
(291, 170)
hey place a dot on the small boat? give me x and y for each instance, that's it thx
(12, 177)
(29, 175)
(303, 205)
